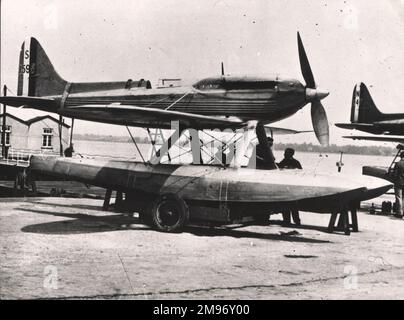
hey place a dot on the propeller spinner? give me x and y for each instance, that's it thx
(314, 95)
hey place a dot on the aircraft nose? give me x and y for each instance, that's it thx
(319, 94)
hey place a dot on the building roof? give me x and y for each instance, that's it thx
(33, 120)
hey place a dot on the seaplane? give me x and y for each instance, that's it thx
(366, 117)
(168, 196)
(219, 102)
(384, 127)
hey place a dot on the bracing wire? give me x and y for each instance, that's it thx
(137, 147)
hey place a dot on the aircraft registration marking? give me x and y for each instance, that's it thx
(25, 67)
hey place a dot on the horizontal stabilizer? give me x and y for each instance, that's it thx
(37, 103)
(282, 131)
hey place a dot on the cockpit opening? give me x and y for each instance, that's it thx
(234, 84)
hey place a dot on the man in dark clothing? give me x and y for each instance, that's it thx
(69, 151)
(260, 162)
(290, 163)
(399, 185)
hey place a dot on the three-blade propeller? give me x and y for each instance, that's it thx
(314, 95)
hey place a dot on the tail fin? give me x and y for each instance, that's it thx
(363, 108)
(36, 75)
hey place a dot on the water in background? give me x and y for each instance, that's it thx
(315, 162)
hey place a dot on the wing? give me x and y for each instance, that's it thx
(355, 126)
(282, 131)
(127, 114)
(377, 138)
(148, 117)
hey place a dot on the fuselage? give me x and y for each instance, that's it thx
(393, 125)
(266, 99)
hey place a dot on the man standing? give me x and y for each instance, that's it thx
(291, 163)
(399, 185)
(262, 161)
(69, 151)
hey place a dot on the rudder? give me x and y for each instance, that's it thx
(363, 108)
(36, 75)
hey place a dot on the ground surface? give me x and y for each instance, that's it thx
(68, 248)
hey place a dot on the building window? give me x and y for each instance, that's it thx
(47, 138)
(8, 135)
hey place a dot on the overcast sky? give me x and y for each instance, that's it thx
(346, 42)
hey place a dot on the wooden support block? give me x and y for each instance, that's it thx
(345, 219)
(354, 217)
(331, 224)
(119, 200)
(343, 222)
(107, 200)
(340, 224)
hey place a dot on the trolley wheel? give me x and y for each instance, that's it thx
(169, 213)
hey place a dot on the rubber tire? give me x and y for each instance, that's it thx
(181, 208)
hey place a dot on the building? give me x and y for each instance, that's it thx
(37, 135)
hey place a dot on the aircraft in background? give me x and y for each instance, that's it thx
(365, 116)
